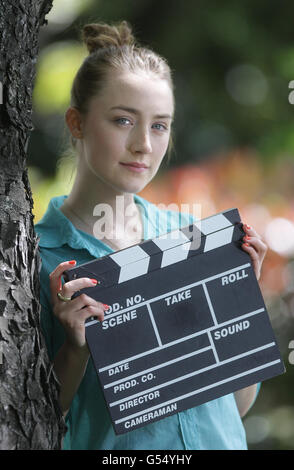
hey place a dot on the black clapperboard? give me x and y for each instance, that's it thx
(187, 322)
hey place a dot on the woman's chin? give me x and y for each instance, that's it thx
(134, 186)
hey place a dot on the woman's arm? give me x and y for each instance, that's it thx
(244, 398)
(70, 366)
(256, 248)
(254, 245)
(71, 360)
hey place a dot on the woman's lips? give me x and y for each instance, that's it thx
(134, 168)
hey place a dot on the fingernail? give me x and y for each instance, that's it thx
(94, 281)
(106, 306)
(247, 237)
(247, 226)
(72, 262)
(246, 244)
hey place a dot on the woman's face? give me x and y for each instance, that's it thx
(128, 122)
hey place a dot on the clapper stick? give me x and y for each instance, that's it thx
(187, 322)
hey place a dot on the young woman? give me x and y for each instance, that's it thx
(120, 118)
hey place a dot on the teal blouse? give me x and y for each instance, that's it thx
(213, 425)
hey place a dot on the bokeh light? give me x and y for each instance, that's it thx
(257, 429)
(64, 12)
(246, 84)
(279, 235)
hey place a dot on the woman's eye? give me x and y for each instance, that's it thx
(123, 121)
(160, 127)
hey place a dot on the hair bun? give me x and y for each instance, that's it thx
(100, 35)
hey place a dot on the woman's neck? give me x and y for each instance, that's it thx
(114, 218)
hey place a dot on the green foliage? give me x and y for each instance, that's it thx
(57, 67)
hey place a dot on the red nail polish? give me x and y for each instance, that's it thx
(246, 244)
(106, 306)
(72, 262)
(94, 281)
(247, 237)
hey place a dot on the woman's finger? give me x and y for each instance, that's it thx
(75, 312)
(55, 275)
(85, 300)
(70, 287)
(257, 244)
(92, 311)
(76, 319)
(256, 264)
(250, 231)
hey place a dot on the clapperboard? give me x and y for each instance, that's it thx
(187, 322)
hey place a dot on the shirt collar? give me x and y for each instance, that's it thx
(55, 229)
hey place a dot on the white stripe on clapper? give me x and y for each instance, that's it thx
(154, 325)
(212, 224)
(217, 239)
(133, 262)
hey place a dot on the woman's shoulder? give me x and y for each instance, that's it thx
(53, 226)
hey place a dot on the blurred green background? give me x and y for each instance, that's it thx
(233, 62)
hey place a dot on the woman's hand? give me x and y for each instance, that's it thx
(256, 247)
(73, 313)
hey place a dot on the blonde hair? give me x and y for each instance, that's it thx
(112, 47)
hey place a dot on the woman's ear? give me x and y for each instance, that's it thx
(74, 122)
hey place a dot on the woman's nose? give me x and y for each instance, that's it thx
(140, 142)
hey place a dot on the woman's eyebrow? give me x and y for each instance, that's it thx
(136, 111)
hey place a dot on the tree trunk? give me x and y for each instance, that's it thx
(30, 417)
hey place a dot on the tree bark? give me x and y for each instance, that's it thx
(30, 417)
